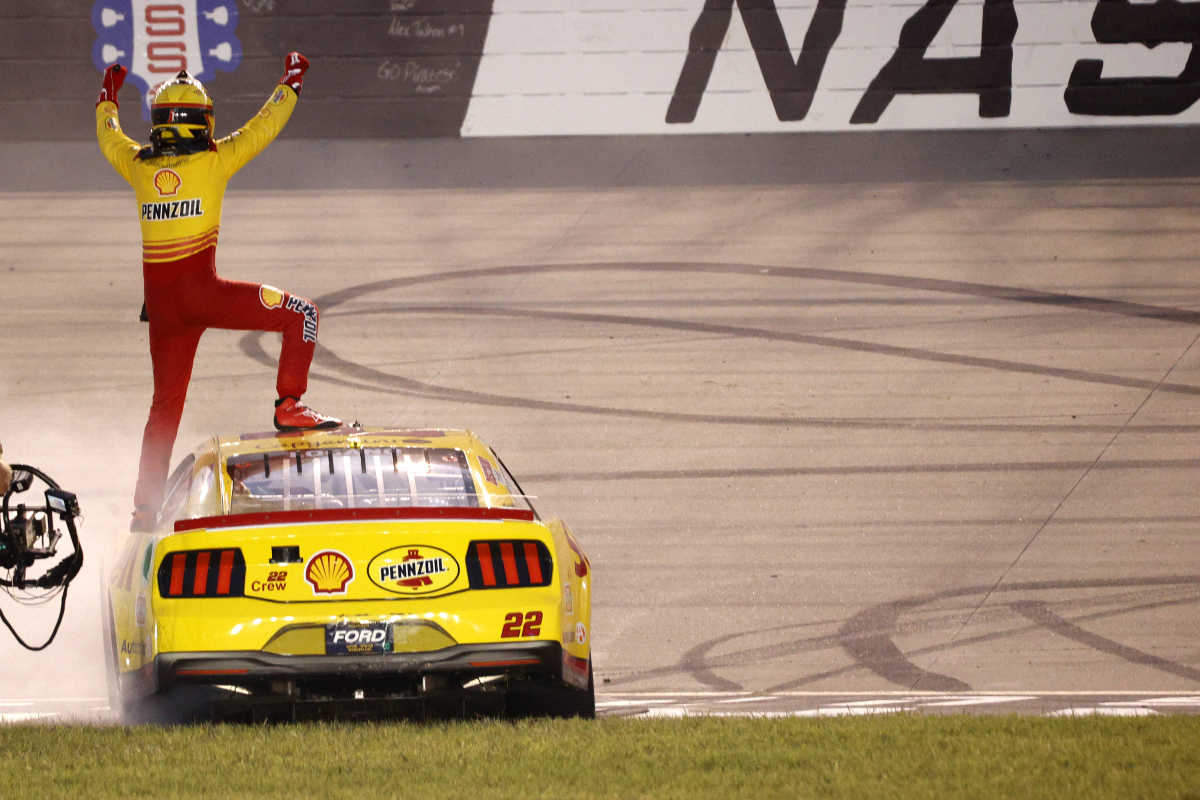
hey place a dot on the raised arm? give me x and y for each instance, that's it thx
(118, 148)
(240, 147)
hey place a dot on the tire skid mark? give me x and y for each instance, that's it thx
(867, 637)
(1038, 611)
(379, 381)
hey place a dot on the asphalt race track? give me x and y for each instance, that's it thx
(835, 444)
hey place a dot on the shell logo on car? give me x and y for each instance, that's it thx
(270, 296)
(329, 572)
(413, 569)
(167, 181)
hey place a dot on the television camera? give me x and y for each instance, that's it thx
(31, 570)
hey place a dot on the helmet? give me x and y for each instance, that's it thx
(181, 117)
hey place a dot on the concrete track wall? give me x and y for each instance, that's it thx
(418, 68)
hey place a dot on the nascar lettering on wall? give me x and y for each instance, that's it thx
(156, 39)
(704, 66)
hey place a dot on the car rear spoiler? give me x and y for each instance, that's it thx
(349, 515)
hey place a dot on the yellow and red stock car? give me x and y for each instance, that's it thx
(355, 572)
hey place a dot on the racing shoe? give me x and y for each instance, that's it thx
(292, 415)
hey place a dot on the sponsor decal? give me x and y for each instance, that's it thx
(167, 181)
(489, 472)
(581, 561)
(112, 124)
(568, 636)
(278, 97)
(568, 599)
(133, 648)
(517, 624)
(302, 306)
(155, 40)
(175, 209)
(139, 610)
(270, 297)
(413, 569)
(580, 633)
(264, 112)
(276, 582)
(358, 638)
(329, 572)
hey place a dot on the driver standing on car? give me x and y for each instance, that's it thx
(179, 180)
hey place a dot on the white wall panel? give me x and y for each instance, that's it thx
(561, 67)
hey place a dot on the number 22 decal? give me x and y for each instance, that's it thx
(513, 624)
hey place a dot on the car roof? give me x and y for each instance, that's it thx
(347, 437)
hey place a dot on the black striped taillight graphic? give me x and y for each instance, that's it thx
(505, 563)
(203, 573)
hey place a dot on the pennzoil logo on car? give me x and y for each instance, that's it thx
(329, 572)
(413, 569)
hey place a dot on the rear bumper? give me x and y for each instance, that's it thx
(249, 668)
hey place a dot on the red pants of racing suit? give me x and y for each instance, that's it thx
(183, 299)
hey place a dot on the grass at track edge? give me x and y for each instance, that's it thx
(897, 756)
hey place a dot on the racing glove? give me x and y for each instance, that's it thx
(114, 76)
(296, 65)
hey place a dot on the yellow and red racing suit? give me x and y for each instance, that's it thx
(179, 206)
(179, 197)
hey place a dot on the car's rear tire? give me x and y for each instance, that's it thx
(112, 664)
(182, 705)
(558, 700)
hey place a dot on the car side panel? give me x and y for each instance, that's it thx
(574, 576)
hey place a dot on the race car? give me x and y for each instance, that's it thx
(351, 572)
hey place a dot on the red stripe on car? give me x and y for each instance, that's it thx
(177, 565)
(201, 584)
(226, 572)
(510, 564)
(511, 663)
(532, 562)
(348, 515)
(485, 564)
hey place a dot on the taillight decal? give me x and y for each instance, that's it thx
(503, 564)
(201, 581)
(226, 572)
(484, 560)
(531, 564)
(193, 573)
(510, 564)
(178, 562)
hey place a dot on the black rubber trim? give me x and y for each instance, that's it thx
(254, 666)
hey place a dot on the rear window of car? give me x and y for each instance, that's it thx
(369, 477)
